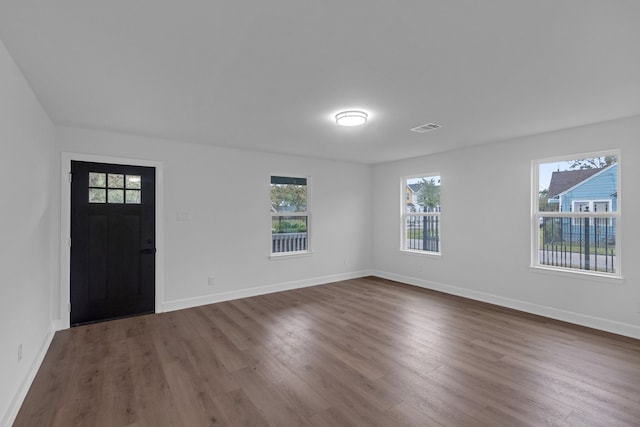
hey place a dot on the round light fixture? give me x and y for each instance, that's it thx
(351, 118)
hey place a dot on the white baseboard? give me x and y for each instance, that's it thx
(259, 290)
(606, 325)
(12, 411)
(59, 325)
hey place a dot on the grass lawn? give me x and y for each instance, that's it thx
(578, 247)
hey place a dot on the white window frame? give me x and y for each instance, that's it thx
(536, 219)
(307, 214)
(404, 217)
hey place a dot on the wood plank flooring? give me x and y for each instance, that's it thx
(364, 352)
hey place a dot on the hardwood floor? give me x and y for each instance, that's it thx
(364, 352)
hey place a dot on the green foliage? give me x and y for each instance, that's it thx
(414, 233)
(280, 225)
(543, 201)
(593, 163)
(429, 194)
(287, 196)
(418, 233)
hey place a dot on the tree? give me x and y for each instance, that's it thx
(429, 194)
(289, 195)
(543, 200)
(593, 163)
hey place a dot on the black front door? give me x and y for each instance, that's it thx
(112, 241)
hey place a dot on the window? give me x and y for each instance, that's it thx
(420, 219)
(114, 188)
(289, 215)
(576, 214)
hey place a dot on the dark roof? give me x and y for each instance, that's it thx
(415, 187)
(561, 181)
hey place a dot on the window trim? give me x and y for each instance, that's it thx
(307, 214)
(537, 215)
(591, 203)
(404, 217)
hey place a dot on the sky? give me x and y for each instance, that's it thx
(545, 171)
(417, 180)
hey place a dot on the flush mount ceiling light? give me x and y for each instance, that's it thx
(351, 118)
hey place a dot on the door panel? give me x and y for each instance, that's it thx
(130, 254)
(112, 241)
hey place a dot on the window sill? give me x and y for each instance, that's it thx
(422, 253)
(289, 255)
(578, 274)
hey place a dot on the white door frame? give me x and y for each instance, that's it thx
(65, 226)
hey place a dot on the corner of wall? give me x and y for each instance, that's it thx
(14, 407)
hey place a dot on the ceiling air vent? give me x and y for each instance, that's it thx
(425, 128)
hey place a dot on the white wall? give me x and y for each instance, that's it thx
(486, 200)
(225, 194)
(26, 135)
(355, 208)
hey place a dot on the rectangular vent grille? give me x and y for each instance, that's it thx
(425, 128)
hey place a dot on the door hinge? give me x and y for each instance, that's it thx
(69, 242)
(69, 306)
(70, 176)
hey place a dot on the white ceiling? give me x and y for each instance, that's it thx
(270, 75)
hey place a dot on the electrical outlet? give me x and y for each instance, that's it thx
(212, 281)
(19, 353)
